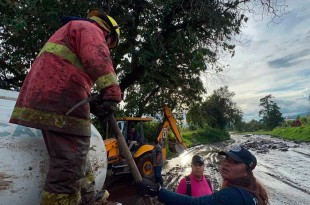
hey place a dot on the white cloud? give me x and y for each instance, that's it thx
(276, 62)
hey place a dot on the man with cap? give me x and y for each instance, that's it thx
(240, 186)
(157, 161)
(195, 184)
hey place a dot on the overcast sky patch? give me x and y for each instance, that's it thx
(276, 62)
(290, 60)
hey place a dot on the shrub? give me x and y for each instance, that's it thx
(205, 135)
(151, 130)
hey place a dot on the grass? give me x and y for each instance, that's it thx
(201, 136)
(301, 133)
(204, 136)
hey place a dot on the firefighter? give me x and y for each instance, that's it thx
(75, 58)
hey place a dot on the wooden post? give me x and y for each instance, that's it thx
(127, 154)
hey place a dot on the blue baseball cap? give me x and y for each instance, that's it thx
(240, 154)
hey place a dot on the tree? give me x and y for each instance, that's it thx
(195, 117)
(254, 125)
(165, 45)
(218, 111)
(272, 117)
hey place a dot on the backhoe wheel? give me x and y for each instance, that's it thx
(145, 166)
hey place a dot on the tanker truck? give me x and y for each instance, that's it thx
(24, 159)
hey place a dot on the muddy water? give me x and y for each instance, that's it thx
(283, 168)
(285, 174)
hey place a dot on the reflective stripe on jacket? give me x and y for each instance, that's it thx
(65, 53)
(74, 59)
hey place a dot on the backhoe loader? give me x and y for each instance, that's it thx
(142, 154)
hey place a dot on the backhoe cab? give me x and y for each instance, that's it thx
(141, 150)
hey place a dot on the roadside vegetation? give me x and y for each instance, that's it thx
(204, 136)
(273, 123)
(210, 120)
(298, 129)
(191, 137)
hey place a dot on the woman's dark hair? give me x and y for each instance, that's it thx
(252, 185)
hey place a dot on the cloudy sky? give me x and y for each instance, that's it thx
(273, 59)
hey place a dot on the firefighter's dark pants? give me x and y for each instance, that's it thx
(70, 179)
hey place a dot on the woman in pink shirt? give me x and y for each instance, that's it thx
(195, 184)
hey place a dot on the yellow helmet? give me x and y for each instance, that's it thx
(106, 22)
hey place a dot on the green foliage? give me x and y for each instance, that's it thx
(272, 117)
(251, 126)
(204, 136)
(301, 133)
(165, 44)
(24, 28)
(288, 131)
(151, 130)
(305, 120)
(218, 111)
(99, 126)
(195, 117)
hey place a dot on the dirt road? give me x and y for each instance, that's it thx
(283, 168)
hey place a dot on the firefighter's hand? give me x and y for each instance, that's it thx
(102, 109)
(146, 188)
(109, 105)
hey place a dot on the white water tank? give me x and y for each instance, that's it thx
(24, 159)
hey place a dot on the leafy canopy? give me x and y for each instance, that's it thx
(272, 117)
(218, 111)
(165, 44)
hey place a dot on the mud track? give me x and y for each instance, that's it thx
(283, 168)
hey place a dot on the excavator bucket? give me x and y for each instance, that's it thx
(176, 147)
(180, 148)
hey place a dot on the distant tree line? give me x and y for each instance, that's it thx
(219, 111)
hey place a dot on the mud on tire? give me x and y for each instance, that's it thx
(145, 166)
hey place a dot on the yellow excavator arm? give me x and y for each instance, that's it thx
(170, 122)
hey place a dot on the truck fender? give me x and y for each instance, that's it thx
(143, 149)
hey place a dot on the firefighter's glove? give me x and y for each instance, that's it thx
(102, 109)
(146, 188)
(109, 105)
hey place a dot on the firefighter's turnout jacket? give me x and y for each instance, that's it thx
(74, 59)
